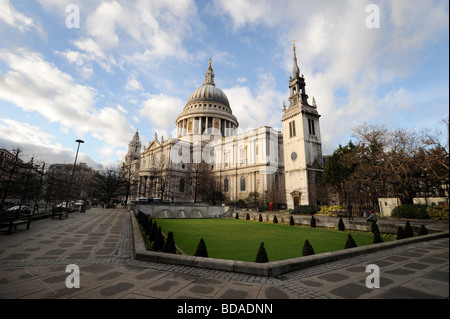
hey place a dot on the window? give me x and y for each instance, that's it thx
(243, 184)
(312, 130)
(225, 184)
(182, 185)
(292, 132)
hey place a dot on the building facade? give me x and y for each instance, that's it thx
(278, 166)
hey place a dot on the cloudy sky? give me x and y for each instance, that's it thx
(98, 70)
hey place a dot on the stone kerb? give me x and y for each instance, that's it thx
(270, 269)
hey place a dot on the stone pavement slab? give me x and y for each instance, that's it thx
(33, 266)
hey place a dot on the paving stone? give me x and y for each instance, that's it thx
(350, 291)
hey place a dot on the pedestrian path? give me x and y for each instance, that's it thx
(33, 265)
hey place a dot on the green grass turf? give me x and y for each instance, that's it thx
(240, 239)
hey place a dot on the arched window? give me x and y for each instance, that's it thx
(182, 185)
(243, 184)
(225, 184)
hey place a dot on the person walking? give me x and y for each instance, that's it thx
(350, 211)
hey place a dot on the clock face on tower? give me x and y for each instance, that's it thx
(294, 156)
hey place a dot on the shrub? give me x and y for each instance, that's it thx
(275, 219)
(350, 243)
(261, 257)
(306, 210)
(260, 219)
(330, 210)
(247, 216)
(422, 231)
(201, 250)
(307, 249)
(153, 232)
(291, 220)
(159, 241)
(400, 233)
(415, 211)
(376, 237)
(241, 203)
(237, 216)
(438, 212)
(148, 227)
(408, 230)
(313, 222)
(169, 245)
(341, 225)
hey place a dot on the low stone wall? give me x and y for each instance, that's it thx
(385, 226)
(270, 269)
(165, 210)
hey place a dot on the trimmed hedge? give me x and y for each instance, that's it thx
(414, 211)
(306, 210)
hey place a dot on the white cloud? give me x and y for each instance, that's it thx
(339, 55)
(161, 111)
(36, 143)
(36, 85)
(133, 84)
(14, 18)
(259, 108)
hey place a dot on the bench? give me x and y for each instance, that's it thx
(59, 211)
(12, 220)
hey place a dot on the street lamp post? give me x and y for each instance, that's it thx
(74, 164)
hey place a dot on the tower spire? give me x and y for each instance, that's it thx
(295, 69)
(209, 76)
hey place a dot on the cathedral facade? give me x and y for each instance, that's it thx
(283, 167)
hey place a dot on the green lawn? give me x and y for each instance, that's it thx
(240, 239)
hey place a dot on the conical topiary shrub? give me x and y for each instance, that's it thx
(237, 216)
(313, 222)
(408, 230)
(350, 243)
(376, 237)
(148, 226)
(159, 241)
(261, 257)
(247, 217)
(260, 219)
(422, 231)
(153, 232)
(201, 250)
(291, 221)
(400, 233)
(169, 245)
(275, 219)
(341, 225)
(307, 249)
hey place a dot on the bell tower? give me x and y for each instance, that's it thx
(303, 162)
(134, 149)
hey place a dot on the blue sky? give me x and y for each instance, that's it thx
(133, 64)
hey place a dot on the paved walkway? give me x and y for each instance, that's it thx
(33, 265)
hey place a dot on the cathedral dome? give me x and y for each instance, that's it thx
(206, 110)
(208, 93)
